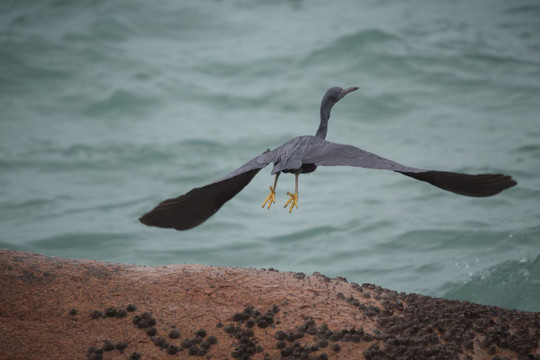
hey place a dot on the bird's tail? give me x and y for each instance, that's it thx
(480, 185)
(196, 206)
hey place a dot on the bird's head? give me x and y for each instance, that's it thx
(334, 94)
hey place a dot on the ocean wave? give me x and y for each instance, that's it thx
(512, 284)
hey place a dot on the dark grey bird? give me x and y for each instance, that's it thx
(302, 155)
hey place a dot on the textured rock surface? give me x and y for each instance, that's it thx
(52, 308)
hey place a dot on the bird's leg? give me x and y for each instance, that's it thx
(271, 198)
(294, 197)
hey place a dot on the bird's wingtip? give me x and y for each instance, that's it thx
(480, 185)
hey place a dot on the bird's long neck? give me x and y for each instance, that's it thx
(326, 106)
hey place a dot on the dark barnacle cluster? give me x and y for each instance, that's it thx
(247, 345)
(110, 312)
(200, 344)
(94, 353)
(416, 326)
(323, 337)
(144, 321)
(297, 351)
(253, 317)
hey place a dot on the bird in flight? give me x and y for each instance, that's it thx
(302, 155)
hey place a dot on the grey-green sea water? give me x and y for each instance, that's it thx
(108, 107)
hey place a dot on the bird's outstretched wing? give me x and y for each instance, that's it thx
(480, 185)
(197, 205)
(326, 153)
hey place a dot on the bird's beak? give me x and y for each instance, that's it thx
(348, 90)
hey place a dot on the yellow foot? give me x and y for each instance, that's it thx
(293, 201)
(271, 198)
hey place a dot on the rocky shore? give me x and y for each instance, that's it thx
(55, 308)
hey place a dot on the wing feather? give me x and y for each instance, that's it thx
(196, 206)
(326, 153)
(480, 185)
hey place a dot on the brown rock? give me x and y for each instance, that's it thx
(224, 312)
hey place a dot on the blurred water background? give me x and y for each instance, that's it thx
(108, 107)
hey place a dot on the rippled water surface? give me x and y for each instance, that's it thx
(108, 108)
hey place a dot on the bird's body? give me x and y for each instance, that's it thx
(302, 155)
